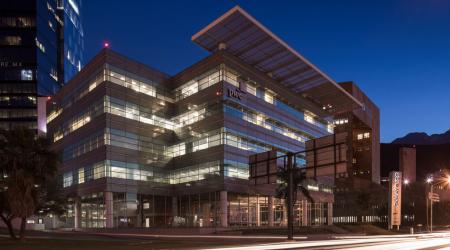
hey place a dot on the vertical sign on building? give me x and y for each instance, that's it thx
(395, 199)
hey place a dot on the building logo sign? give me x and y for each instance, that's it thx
(4, 64)
(236, 93)
(395, 198)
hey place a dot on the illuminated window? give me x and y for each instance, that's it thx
(341, 121)
(32, 99)
(200, 144)
(176, 150)
(309, 118)
(26, 75)
(99, 170)
(16, 22)
(365, 135)
(231, 76)
(10, 40)
(80, 175)
(67, 179)
(191, 89)
(330, 128)
(259, 119)
(268, 97)
(251, 89)
(204, 81)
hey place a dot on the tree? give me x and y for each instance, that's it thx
(299, 182)
(28, 166)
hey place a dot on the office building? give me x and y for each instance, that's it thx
(141, 148)
(71, 40)
(417, 162)
(363, 146)
(34, 36)
(399, 158)
(354, 152)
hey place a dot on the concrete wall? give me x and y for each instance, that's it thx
(407, 163)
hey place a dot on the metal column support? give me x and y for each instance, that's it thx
(330, 213)
(290, 187)
(271, 210)
(77, 213)
(223, 208)
(109, 204)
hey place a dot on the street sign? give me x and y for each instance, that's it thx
(395, 198)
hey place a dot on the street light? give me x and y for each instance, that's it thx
(429, 180)
(440, 180)
(406, 182)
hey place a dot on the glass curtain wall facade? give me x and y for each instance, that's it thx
(164, 150)
(31, 61)
(72, 45)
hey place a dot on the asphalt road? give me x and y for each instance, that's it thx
(439, 240)
(119, 240)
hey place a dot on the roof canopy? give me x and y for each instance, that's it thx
(250, 41)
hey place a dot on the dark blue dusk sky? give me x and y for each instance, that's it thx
(398, 52)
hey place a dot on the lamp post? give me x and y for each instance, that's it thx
(405, 184)
(432, 197)
(430, 181)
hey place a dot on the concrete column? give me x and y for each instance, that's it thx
(249, 213)
(271, 210)
(140, 221)
(258, 212)
(305, 213)
(77, 213)
(206, 214)
(109, 204)
(285, 214)
(330, 213)
(174, 206)
(224, 208)
(54, 221)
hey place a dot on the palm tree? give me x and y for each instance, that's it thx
(299, 182)
(26, 164)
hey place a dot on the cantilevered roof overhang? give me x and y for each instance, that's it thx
(247, 39)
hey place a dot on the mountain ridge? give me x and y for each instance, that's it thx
(422, 138)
